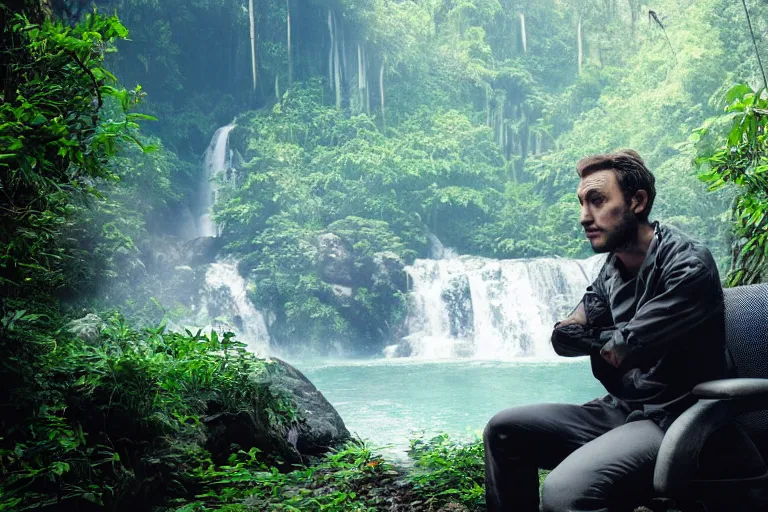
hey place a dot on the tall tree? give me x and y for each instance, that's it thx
(580, 44)
(290, 53)
(381, 91)
(252, 20)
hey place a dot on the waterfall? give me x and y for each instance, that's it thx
(492, 309)
(522, 33)
(223, 303)
(225, 307)
(437, 251)
(217, 161)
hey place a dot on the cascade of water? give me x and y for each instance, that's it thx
(225, 307)
(522, 33)
(492, 309)
(437, 251)
(216, 161)
(224, 304)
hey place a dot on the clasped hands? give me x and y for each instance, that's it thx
(588, 340)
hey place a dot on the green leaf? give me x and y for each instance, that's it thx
(137, 117)
(737, 91)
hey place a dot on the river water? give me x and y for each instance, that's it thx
(388, 401)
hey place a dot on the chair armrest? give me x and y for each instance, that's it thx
(719, 403)
(730, 389)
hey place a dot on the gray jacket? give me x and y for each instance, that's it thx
(665, 326)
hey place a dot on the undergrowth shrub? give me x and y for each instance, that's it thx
(447, 470)
(120, 423)
(352, 478)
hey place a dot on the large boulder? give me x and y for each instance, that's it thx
(334, 260)
(322, 428)
(160, 253)
(389, 270)
(319, 428)
(202, 250)
(457, 296)
(165, 252)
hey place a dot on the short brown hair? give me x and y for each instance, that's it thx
(631, 172)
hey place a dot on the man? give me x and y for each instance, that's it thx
(653, 325)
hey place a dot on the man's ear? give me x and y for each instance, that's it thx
(639, 201)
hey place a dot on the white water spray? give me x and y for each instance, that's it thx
(437, 251)
(225, 307)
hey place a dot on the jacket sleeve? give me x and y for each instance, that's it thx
(582, 340)
(689, 293)
(574, 340)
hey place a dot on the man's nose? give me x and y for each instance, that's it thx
(585, 217)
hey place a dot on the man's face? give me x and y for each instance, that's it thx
(608, 221)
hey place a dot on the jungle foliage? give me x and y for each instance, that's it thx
(53, 144)
(471, 135)
(118, 421)
(112, 421)
(377, 121)
(741, 160)
(463, 120)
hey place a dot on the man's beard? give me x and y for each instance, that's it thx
(622, 237)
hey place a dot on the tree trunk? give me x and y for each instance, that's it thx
(277, 87)
(634, 12)
(381, 90)
(360, 78)
(252, 19)
(581, 47)
(488, 105)
(330, 51)
(290, 55)
(336, 63)
(505, 139)
(500, 123)
(367, 84)
(344, 57)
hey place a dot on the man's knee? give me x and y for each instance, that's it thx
(561, 492)
(503, 432)
(526, 431)
(494, 431)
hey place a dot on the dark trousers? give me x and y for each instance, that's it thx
(599, 463)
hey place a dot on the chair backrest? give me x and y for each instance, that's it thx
(746, 338)
(746, 329)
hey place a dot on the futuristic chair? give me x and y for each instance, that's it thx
(716, 453)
